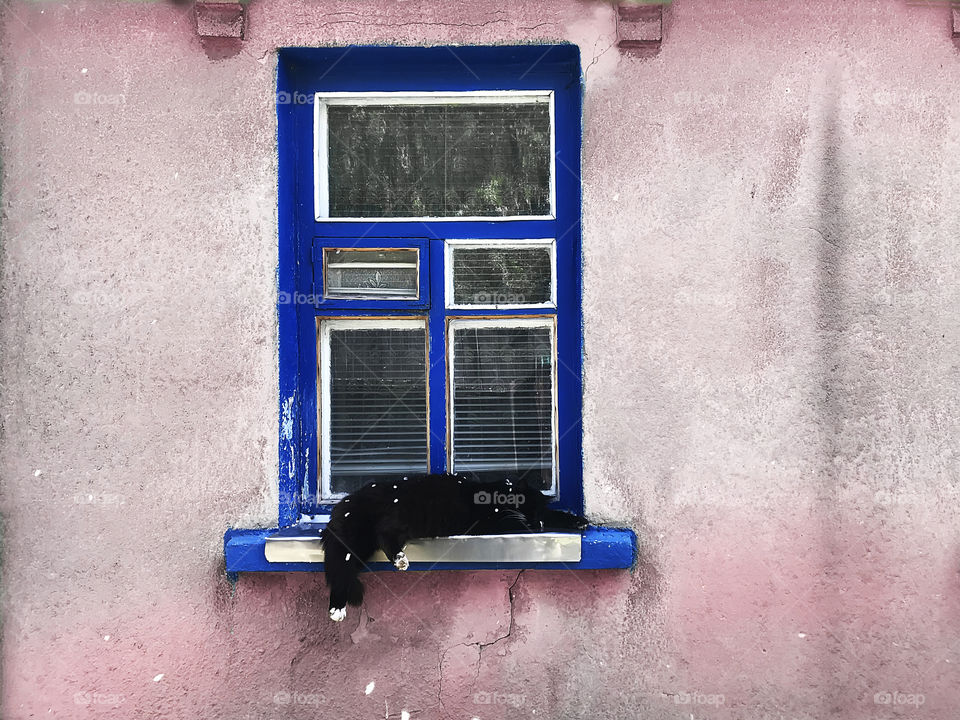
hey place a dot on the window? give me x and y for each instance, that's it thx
(394, 155)
(430, 314)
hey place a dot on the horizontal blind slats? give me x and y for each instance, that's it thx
(502, 407)
(378, 404)
(439, 160)
(490, 276)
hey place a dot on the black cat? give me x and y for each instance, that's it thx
(385, 515)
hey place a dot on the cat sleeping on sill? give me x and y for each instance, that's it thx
(385, 515)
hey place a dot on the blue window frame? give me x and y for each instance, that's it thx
(414, 279)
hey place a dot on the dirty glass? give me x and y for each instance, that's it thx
(378, 405)
(375, 273)
(501, 276)
(439, 160)
(503, 403)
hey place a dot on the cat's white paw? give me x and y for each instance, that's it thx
(338, 614)
(400, 561)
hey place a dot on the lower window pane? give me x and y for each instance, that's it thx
(503, 402)
(377, 420)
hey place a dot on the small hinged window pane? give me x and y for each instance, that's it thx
(371, 273)
(502, 275)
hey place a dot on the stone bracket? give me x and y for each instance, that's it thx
(639, 25)
(220, 19)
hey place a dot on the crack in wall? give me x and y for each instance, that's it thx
(596, 58)
(482, 645)
(479, 645)
(409, 712)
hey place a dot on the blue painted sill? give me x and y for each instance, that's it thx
(600, 548)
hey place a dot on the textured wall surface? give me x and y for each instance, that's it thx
(772, 327)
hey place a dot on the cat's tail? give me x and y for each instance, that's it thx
(341, 568)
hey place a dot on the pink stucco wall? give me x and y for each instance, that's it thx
(772, 321)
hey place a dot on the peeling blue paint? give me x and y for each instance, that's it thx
(305, 485)
(286, 423)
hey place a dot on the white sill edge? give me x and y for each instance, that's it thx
(510, 548)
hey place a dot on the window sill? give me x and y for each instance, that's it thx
(297, 549)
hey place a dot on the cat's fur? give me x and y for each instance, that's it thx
(385, 515)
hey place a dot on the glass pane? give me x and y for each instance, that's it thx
(503, 403)
(378, 405)
(439, 160)
(388, 274)
(501, 276)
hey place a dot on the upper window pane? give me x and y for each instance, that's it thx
(446, 157)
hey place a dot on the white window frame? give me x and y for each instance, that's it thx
(541, 321)
(451, 246)
(321, 154)
(325, 325)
